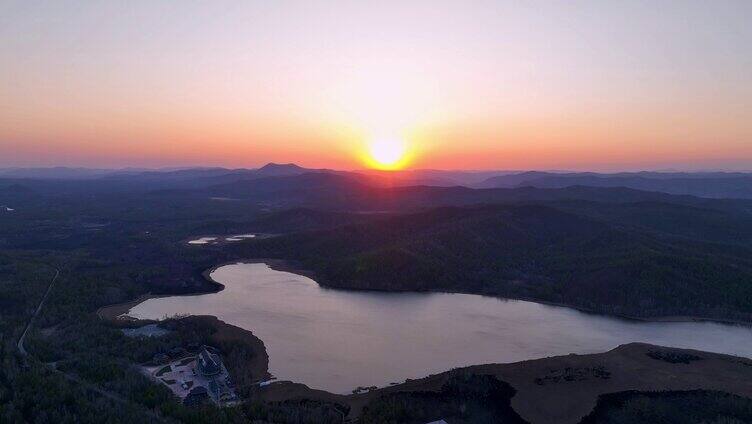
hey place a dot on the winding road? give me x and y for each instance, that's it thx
(74, 379)
(21, 347)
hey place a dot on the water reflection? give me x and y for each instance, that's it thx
(338, 340)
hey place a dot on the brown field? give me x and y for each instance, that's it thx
(563, 389)
(554, 390)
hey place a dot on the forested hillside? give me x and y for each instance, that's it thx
(640, 259)
(114, 239)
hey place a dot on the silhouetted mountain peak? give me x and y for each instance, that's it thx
(281, 169)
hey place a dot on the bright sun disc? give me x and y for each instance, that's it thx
(387, 153)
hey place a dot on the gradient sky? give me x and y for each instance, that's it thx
(601, 85)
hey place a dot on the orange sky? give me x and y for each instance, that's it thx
(602, 85)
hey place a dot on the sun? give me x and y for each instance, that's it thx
(387, 153)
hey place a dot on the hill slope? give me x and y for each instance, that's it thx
(710, 184)
(531, 251)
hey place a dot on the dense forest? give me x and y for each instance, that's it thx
(466, 398)
(643, 259)
(671, 407)
(115, 239)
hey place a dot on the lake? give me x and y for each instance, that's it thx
(337, 340)
(215, 240)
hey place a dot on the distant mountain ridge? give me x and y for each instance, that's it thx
(58, 172)
(704, 184)
(358, 193)
(415, 176)
(338, 190)
(238, 182)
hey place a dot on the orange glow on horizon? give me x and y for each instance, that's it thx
(162, 85)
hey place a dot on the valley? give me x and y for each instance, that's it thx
(433, 256)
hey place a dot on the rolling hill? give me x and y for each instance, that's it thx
(630, 264)
(701, 184)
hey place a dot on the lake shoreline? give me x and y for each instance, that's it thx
(521, 374)
(117, 310)
(288, 266)
(667, 318)
(275, 264)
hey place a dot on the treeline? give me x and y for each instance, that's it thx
(671, 407)
(541, 252)
(468, 398)
(68, 339)
(638, 259)
(38, 395)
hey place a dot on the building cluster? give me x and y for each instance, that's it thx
(207, 378)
